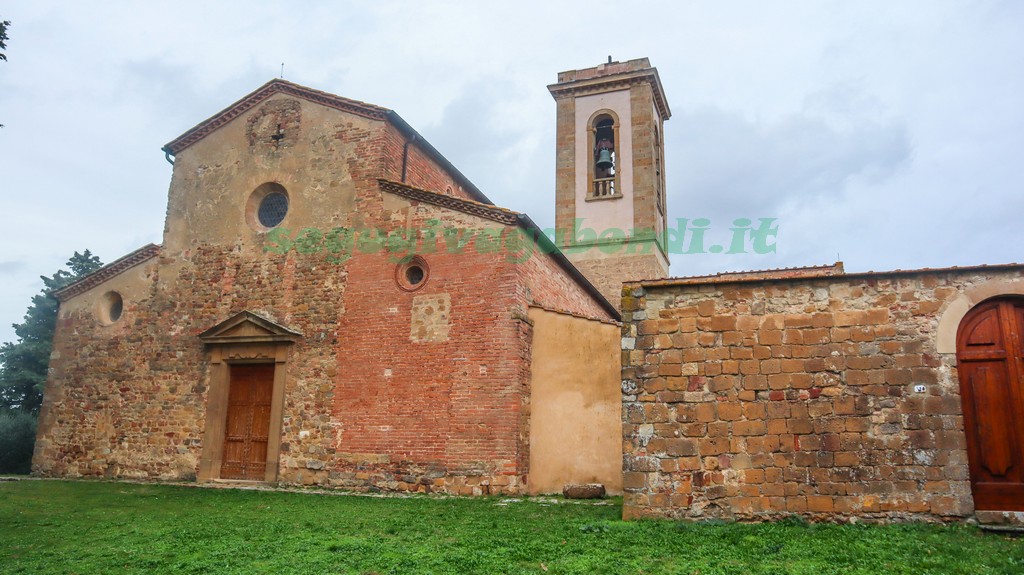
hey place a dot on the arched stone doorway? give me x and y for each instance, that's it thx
(990, 363)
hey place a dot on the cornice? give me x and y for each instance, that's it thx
(611, 83)
(107, 272)
(486, 211)
(276, 86)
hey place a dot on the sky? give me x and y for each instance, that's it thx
(889, 135)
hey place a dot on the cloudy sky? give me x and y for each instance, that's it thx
(887, 134)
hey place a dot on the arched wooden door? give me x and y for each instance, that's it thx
(990, 362)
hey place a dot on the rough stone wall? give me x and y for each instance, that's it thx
(607, 272)
(386, 389)
(119, 402)
(129, 399)
(752, 400)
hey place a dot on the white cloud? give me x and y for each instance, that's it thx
(889, 132)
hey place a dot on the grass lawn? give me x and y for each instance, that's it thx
(101, 527)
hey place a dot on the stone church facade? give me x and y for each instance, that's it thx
(334, 304)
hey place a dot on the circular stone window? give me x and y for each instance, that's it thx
(111, 307)
(267, 206)
(412, 274)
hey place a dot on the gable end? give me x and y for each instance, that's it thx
(275, 86)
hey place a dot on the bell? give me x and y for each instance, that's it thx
(604, 159)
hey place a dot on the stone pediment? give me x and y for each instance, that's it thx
(247, 327)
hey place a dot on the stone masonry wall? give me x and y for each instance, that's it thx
(752, 400)
(607, 272)
(423, 390)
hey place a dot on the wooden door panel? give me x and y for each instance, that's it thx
(1018, 324)
(231, 467)
(264, 387)
(257, 464)
(985, 331)
(992, 397)
(260, 422)
(992, 390)
(248, 422)
(238, 422)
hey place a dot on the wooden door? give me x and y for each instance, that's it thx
(248, 424)
(990, 361)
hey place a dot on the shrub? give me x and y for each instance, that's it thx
(17, 439)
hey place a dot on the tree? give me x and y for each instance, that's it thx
(3, 42)
(25, 363)
(3, 38)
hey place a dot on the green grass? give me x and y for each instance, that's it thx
(100, 527)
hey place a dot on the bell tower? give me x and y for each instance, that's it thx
(609, 172)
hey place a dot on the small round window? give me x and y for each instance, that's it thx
(412, 274)
(272, 210)
(111, 307)
(267, 206)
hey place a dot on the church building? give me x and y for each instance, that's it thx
(334, 304)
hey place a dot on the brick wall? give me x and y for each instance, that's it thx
(546, 284)
(424, 390)
(432, 411)
(752, 399)
(421, 171)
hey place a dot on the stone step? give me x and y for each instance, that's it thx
(1002, 521)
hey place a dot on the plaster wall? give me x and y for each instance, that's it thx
(321, 161)
(575, 423)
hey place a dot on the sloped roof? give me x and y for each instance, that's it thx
(508, 217)
(826, 270)
(116, 267)
(374, 112)
(253, 99)
(487, 211)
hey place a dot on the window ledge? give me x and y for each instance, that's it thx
(592, 198)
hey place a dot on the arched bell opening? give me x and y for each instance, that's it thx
(604, 156)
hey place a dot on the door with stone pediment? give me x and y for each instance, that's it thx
(990, 363)
(247, 430)
(248, 359)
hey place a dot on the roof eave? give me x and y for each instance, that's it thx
(431, 151)
(109, 271)
(547, 246)
(252, 99)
